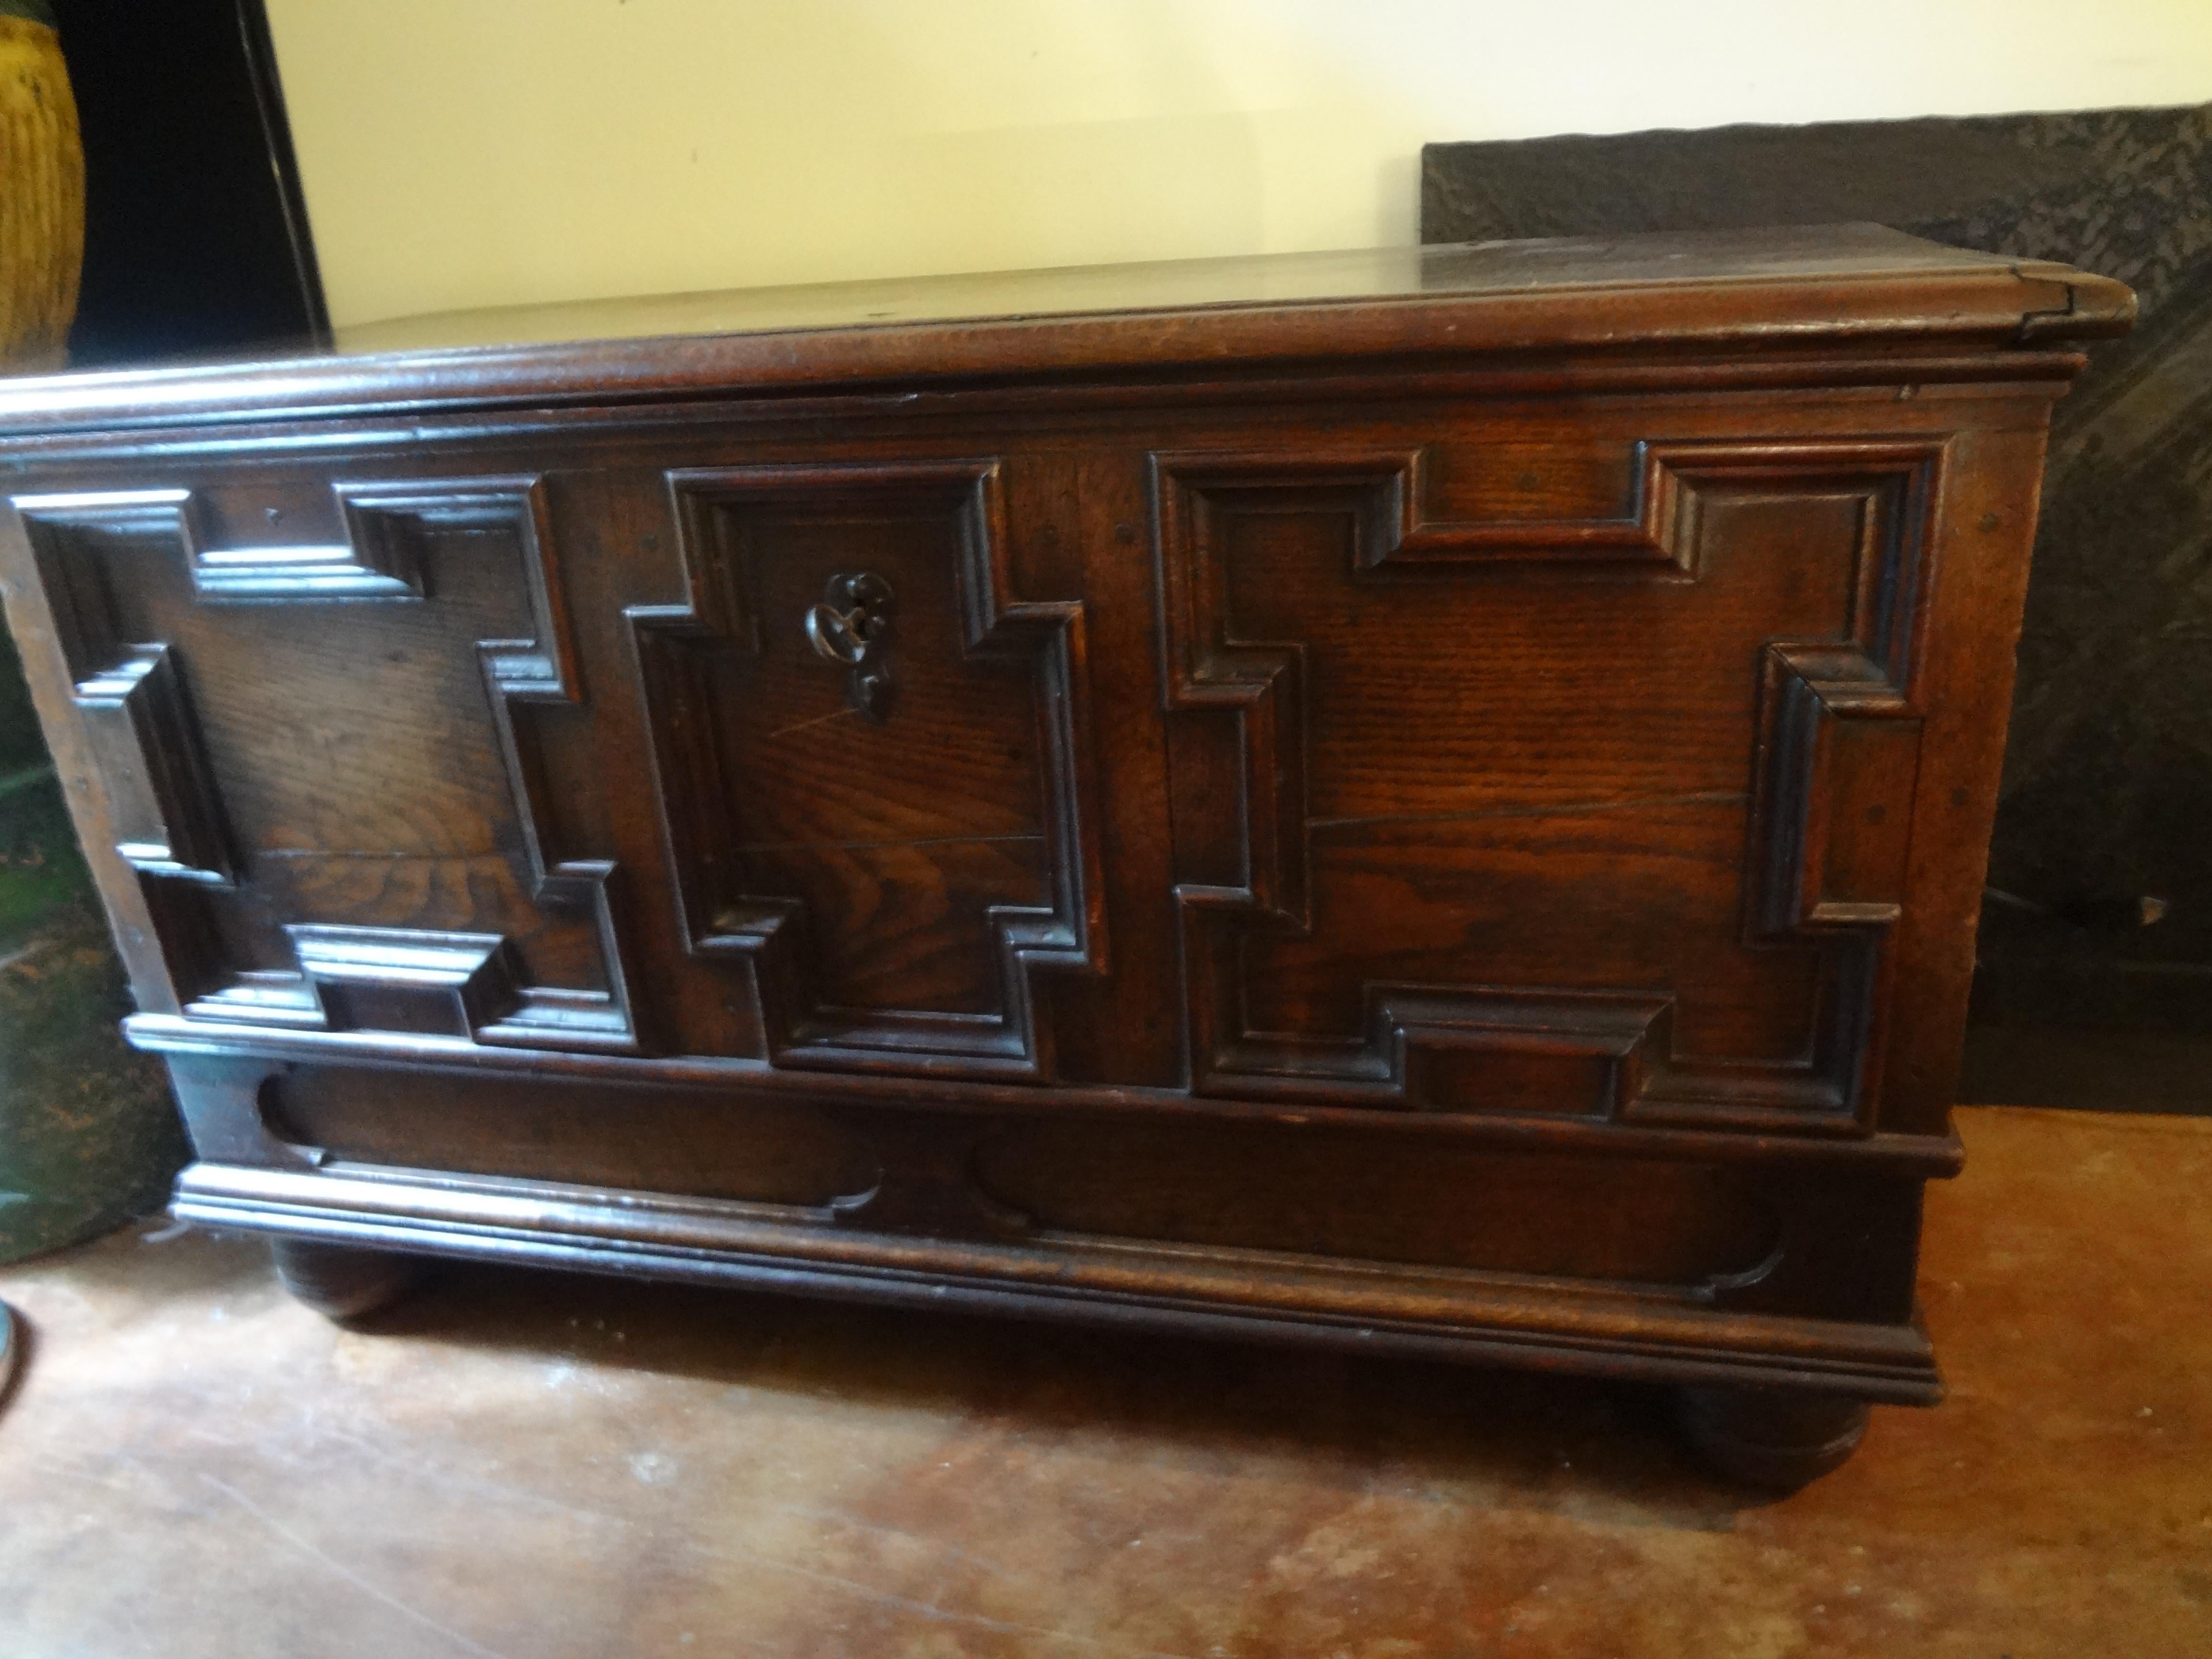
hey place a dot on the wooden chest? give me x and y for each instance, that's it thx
(1431, 801)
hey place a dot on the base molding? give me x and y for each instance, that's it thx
(1377, 1307)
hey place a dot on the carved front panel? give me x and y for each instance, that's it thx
(325, 753)
(875, 764)
(1603, 815)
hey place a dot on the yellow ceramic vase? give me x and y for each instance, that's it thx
(41, 192)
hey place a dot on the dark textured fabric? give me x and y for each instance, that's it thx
(2108, 775)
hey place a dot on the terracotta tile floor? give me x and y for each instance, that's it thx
(527, 1466)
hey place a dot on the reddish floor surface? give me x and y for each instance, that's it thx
(524, 1466)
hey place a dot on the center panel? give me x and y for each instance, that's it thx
(901, 837)
(874, 762)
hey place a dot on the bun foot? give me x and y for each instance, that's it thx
(340, 1281)
(1777, 1439)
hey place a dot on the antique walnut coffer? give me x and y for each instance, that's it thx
(1432, 801)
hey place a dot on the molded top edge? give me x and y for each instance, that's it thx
(1841, 284)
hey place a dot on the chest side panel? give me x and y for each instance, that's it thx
(1548, 767)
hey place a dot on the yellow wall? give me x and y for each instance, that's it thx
(475, 152)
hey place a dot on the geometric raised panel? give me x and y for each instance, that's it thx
(139, 723)
(1839, 760)
(1823, 797)
(970, 861)
(380, 558)
(389, 979)
(1838, 750)
(139, 714)
(1402, 531)
(131, 697)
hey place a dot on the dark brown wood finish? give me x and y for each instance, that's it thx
(1429, 801)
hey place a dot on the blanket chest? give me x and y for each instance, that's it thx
(1431, 801)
